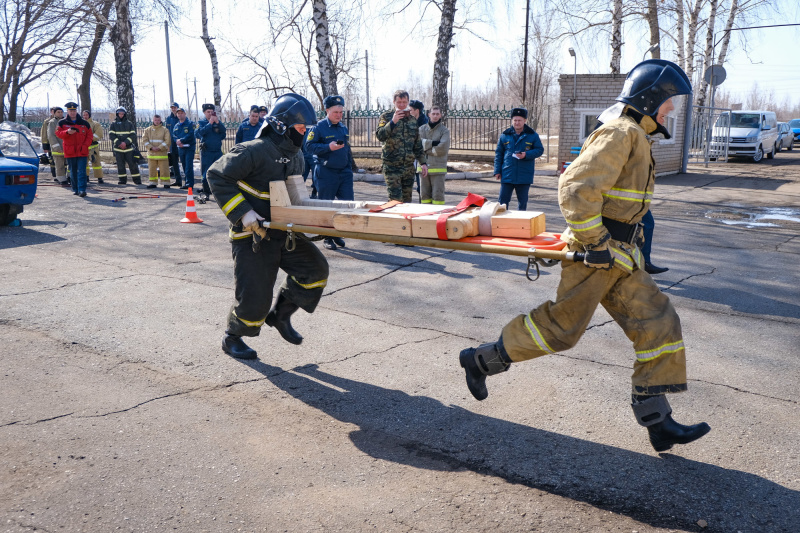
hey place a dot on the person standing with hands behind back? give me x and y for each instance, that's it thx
(515, 158)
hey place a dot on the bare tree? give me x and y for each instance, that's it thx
(652, 22)
(616, 37)
(88, 70)
(327, 72)
(212, 52)
(441, 66)
(35, 42)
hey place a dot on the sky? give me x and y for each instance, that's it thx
(395, 56)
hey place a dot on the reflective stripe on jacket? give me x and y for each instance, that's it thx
(614, 176)
(156, 137)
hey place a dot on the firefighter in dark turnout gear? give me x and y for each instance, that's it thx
(240, 181)
(122, 133)
(603, 196)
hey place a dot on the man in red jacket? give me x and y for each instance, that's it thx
(77, 136)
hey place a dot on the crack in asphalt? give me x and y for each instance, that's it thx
(690, 276)
(64, 286)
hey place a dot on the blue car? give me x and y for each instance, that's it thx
(19, 171)
(794, 125)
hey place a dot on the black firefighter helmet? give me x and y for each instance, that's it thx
(651, 83)
(290, 110)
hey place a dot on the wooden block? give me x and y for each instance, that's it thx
(278, 194)
(297, 189)
(415, 209)
(307, 216)
(340, 204)
(522, 224)
(457, 226)
(366, 222)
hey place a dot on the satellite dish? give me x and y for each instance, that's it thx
(715, 75)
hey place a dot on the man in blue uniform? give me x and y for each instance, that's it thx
(174, 160)
(262, 112)
(330, 143)
(249, 127)
(183, 133)
(210, 132)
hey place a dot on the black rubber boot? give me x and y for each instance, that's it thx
(485, 360)
(650, 268)
(655, 414)
(234, 346)
(338, 241)
(279, 318)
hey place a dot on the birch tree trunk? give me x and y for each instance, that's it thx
(691, 39)
(122, 39)
(652, 22)
(327, 71)
(616, 37)
(679, 37)
(441, 66)
(712, 16)
(85, 87)
(726, 39)
(212, 52)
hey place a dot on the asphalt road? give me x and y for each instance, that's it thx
(119, 412)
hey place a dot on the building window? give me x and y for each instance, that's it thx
(588, 121)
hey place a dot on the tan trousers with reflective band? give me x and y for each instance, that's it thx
(61, 167)
(154, 165)
(431, 187)
(93, 162)
(632, 299)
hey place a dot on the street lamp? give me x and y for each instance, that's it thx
(574, 75)
(651, 49)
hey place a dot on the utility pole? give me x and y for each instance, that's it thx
(196, 108)
(366, 61)
(154, 98)
(169, 65)
(525, 60)
(188, 102)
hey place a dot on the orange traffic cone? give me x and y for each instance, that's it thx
(191, 213)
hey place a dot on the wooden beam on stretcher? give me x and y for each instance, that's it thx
(290, 203)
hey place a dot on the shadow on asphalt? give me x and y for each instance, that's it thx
(667, 491)
(15, 237)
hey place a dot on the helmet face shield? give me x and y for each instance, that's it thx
(651, 83)
(290, 110)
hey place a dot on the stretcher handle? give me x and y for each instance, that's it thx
(558, 255)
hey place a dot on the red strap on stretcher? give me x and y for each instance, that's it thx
(384, 207)
(441, 222)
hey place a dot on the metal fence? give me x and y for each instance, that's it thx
(471, 129)
(709, 135)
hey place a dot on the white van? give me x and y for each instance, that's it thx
(752, 133)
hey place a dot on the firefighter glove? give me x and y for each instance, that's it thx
(251, 221)
(599, 255)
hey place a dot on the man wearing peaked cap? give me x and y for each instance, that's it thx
(174, 160)
(76, 136)
(330, 143)
(262, 111)
(210, 132)
(249, 127)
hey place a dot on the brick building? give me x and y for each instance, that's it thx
(596, 92)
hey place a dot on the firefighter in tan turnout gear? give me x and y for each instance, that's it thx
(157, 140)
(603, 196)
(240, 183)
(56, 147)
(93, 162)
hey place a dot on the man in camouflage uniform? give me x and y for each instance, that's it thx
(399, 133)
